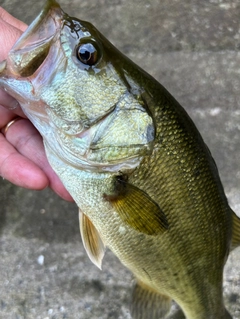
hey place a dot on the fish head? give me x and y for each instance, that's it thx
(75, 87)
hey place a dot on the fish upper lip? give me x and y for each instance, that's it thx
(33, 46)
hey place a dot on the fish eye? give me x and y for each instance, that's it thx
(88, 53)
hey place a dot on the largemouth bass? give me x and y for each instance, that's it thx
(145, 183)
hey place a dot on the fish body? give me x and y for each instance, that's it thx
(144, 180)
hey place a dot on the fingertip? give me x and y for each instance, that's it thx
(33, 178)
(56, 185)
(12, 21)
(65, 195)
(9, 36)
(22, 172)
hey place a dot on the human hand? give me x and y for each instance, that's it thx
(22, 158)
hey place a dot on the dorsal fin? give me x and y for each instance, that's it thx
(92, 241)
(236, 231)
(137, 209)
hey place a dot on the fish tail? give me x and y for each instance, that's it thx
(236, 231)
(224, 314)
(148, 304)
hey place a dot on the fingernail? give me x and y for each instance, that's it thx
(3, 65)
(13, 105)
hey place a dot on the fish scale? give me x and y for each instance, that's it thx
(198, 185)
(145, 183)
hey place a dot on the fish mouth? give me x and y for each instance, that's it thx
(32, 48)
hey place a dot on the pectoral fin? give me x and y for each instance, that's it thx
(236, 231)
(137, 209)
(92, 241)
(148, 304)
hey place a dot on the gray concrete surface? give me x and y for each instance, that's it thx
(192, 48)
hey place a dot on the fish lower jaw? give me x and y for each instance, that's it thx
(82, 162)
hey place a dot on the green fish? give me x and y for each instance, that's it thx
(145, 183)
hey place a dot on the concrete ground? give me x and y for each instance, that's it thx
(192, 48)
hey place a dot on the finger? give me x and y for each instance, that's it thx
(6, 116)
(10, 104)
(19, 170)
(9, 36)
(27, 141)
(4, 15)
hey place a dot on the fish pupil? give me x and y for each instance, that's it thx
(87, 54)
